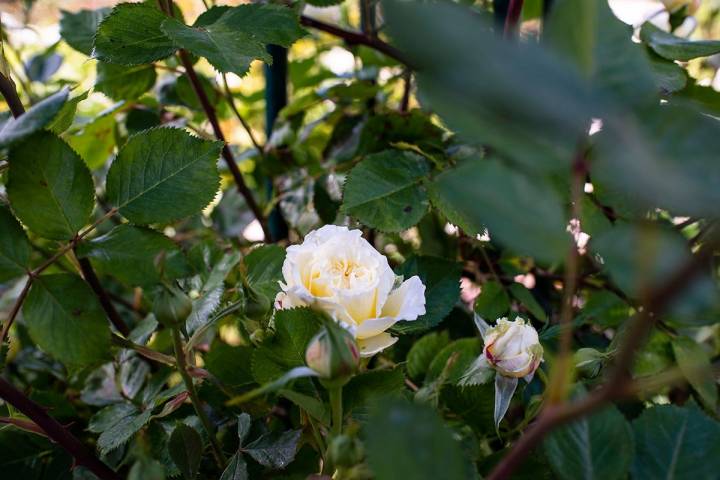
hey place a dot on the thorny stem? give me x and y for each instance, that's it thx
(92, 279)
(195, 399)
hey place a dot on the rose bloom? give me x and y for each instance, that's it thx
(513, 348)
(337, 271)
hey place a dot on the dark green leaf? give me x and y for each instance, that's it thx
(131, 35)
(66, 320)
(423, 351)
(596, 447)
(238, 36)
(456, 215)
(274, 450)
(695, 364)
(78, 29)
(676, 48)
(525, 215)
(14, 247)
(35, 119)
(526, 298)
(124, 83)
(676, 443)
(64, 119)
(136, 256)
(210, 292)
(244, 424)
(410, 441)
(669, 76)
(146, 469)
(110, 416)
(236, 469)
(416, 128)
(50, 188)
(231, 365)
(463, 351)
(162, 175)
(493, 301)
(311, 405)
(442, 287)
(264, 269)
(536, 123)
(43, 66)
(370, 386)
(385, 190)
(186, 450)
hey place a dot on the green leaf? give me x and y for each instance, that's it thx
(380, 132)
(64, 119)
(370, 386)
(464, 350)
(146, 469)
(131, 254)
(95, 142)
(286, 349)
(163, 174)
(124, 83)
(264, 269)
(596, 447)
(231, 365)
(33, 120)
(78, 29)
(671, 47)
(66, 320)
(238, 36)
(274, 450)
(525, 215)
(535, 123)
(441, 278)
(526, 298)
(49, 187)
(244, 424)
(131, 35)
(110, 416)
(493, 301)
(669, 76)
(676, 443)
(14, 247)
(695, 364)
(311, 405)
(324, 3)
(410, 441)
(210, 293)
(236, 469)
(601, 46)
(385, 190)
(423, 351)
(459, 217)
(186, 450)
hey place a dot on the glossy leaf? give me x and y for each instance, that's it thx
(50, 188)
(186, 450)
(236, 469)
(124, 83)
(672, 47)
(162, 175)
(65, 319)
(274, 450)
(78, 29)
(264, 269)
(385, 190)
(33, 120)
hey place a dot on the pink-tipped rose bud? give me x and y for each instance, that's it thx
(333, 354)
(513, 348)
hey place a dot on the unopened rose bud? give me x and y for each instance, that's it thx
(333, 354)
(171, 306)
(345, 451)
(513, 348)
(588, 361)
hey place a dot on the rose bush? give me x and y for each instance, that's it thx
(337, 271)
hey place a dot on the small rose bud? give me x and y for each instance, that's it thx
(171, 306)
(588, 361)
(333, 354)
(345, 451)
(513, 348)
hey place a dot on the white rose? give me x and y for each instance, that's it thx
(513, 348)
(337, 271)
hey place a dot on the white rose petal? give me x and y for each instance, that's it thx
(337, 271)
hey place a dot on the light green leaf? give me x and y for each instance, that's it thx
(536, 123)
(78, 29)
(163, 174)
(695, 364)
(49, 187)
(238, 36)
(441, 278)
(14, 247)
(33, 120)
(64, 119)
(264, 269)
(124, 83)
(493, 301)
(405, 440)
(95, 142)
(130, 35)
(671, 47)
(596, 447)
(186, 449)
(385, 190)
(274, 450)
(66, 320)
(526, 298)
(526, 215)
(131, 254)
(423, 351)
(676, 443)
(588, 34)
